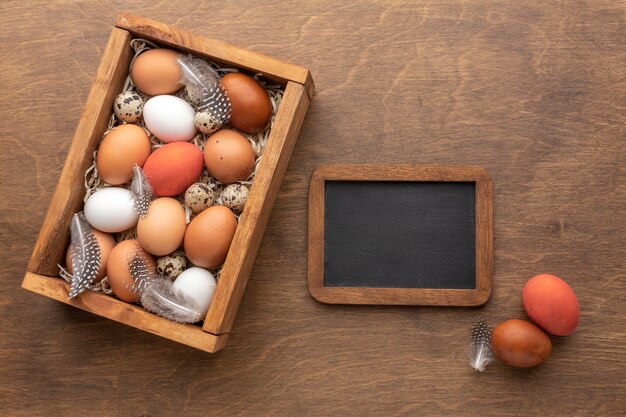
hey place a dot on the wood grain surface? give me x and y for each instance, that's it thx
(533, 92)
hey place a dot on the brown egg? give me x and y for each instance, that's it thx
(209, 236)
(228, 156)
(161, 231)
(117, 268)
(251, 107)
(106, 243)
(156, 72)
(119, 151)
(520, 343)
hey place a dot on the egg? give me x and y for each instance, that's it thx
(520, 343)
(206, 122)
(209, 236)
(128, 106)
(251, 107)
(106, 242)
(228, 156)
(170, 118)
(551, 304)
(111, 210)
(199, 196)
(156, 72)
(171, 265)
(118, 273)
(161, 231)
(197, 284)
(119, 151)
(172, 168)
(234, 196)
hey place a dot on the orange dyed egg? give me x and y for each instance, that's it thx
(551, 304)
(173, 167)
(251, 107)
(520, 343)
(106, 243)
(209, 236)
(118, 272)
(119, 151)
(156, 72)
(228, 156)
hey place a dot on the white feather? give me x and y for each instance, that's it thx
(198, 77)
(159, 298)
(142, 191)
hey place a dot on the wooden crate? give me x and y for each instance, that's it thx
(42, 273)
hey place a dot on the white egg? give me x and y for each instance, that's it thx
(197, 284)
(111, 210)
(169, 118)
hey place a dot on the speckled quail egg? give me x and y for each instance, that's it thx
(128, 106)
(207, 123)
(200, 196)
(234, 196)
(171, 265)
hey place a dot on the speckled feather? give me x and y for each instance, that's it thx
(215, 101)
(204, 90)
(480, 353)
(85, 255)
(142, 191)
(139, 272)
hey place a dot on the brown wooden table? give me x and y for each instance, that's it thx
(534, 93)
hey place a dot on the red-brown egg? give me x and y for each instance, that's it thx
(520, 343)
(156, 72)
(119, 151)
(118, 272)
(228, 156)
(251, 107)
(106, 243)
(209, 236)
(173, 167)
(551, 304)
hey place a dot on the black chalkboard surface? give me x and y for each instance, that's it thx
(400, 234)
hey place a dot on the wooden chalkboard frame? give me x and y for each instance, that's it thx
(402, 296)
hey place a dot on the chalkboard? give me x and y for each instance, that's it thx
(400, 234)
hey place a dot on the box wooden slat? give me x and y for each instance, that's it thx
(130, 314)
(255, 216)
(42, 276)
(220, 52)
(68, 196)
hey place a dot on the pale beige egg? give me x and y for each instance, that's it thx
(161, 231)
(156, 72)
